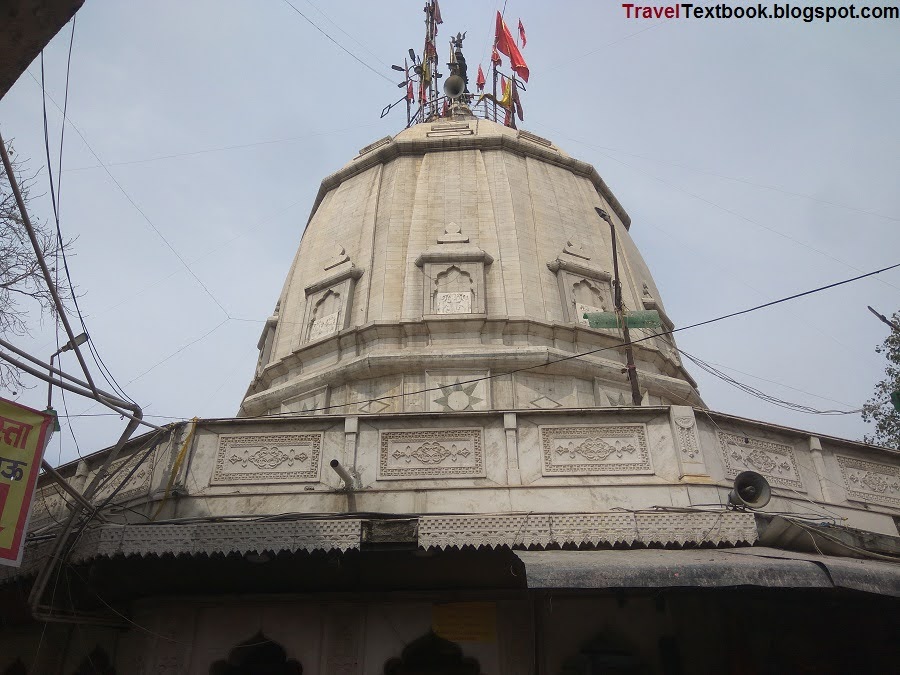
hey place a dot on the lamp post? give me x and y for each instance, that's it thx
(630, 368)
(71, 344)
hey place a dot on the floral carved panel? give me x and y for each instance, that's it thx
(586, 450)
(137, 484)
(431, 453)
(870, 481)
(49, 506)
(267, 458)
(773, 460)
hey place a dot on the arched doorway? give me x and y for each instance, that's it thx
(257, 656)
(432, 655)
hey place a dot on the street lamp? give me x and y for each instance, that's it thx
(70, 345)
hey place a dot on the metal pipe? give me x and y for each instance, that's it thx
(340, 470)
(62, 539)
(103, 398)
(135, 420)
(60, 310)
(72, 492)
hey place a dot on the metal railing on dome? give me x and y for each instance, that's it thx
(443, 107)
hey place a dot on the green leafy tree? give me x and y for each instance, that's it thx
(879, 409)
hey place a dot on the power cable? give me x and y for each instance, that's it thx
(342, 47)
(601, 349)
(719, 206)
(140, 211)
(60, 247)
(336, 25)
(224, 148)
(757, 393)
(744, 181)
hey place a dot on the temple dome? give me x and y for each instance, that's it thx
(442, 259)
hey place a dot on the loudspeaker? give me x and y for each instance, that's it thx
(454, 86)
(750, 490)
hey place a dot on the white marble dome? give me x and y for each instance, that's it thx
(441, 268)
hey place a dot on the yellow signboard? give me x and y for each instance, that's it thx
(23, 436)
(465, 621)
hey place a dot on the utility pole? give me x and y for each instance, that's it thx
(620, 312)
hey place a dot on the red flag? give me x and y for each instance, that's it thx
(507, 45)
(495, 58)
(437, 13)
(410, 96)
(480, 81)
(446, 109)
(522, 33)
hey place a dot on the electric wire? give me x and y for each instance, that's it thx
(763, 186)
(141, 212)
(580, 355)
(224, 148)
(337, 25)
(342, 47)
(757, 393)
(60, 245)
(709, 202)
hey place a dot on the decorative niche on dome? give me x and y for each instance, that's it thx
(328, 301)
(583, 287)
(454, 275)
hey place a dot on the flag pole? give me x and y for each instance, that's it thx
(494, 69)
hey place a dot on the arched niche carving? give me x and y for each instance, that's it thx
(588, 297)
(582, 288)
(257, 656)
(453, 292)
(454, 280)
(432, 655)
(328, 303)
(95, 663)
(325, 317)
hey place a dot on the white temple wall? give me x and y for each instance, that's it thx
(541, 461)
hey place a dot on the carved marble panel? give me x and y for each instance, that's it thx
(453, 303)
(773, 460)
(324, 325)
(431, 453)
(267, 458)
(591, 450)
(582, 309)
(48, 507)
(870, 481)
(687, 440)
(135, 486)
(329, 300)
(313, 402)
(454, 391)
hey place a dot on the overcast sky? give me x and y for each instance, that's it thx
(756, 159)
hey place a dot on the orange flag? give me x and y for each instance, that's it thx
(480, 81)
(507, 45)
(409, 92)
(495, 57)
(522, 33)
